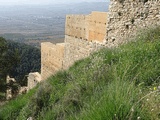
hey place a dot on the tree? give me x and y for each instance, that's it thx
(3, 49)
(3, 44)
(30, 60)
(8, 59)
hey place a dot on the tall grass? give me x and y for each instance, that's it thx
(11, 109)
(111, 84)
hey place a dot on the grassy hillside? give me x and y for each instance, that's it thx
(112, 84)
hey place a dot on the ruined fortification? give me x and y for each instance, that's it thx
(33, 80)
(85, 34)
(126, 17)
(52, 56)
(90, 27)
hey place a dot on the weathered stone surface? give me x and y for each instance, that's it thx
(8, 79)
(33, 80)
(76, 49)
(125, 18)
(52, 56)
(82, 33)
(85, 34)
(88, 27)
(9, 94)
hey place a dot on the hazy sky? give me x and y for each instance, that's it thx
(20, 2)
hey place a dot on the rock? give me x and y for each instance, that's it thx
(30, 118)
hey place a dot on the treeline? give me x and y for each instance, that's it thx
(8, 59)
(18, 59)
(29, 60)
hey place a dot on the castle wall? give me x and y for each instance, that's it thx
(97, 26)
(33, 80)
(52, 56)
(84, 34)
(76, 49)
(126, 17)
(90, 27)
(76, 26)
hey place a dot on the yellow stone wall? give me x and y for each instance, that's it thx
(52, 56)
(97, 26)
(88, 27)
(85, 34)
(81, 32)
(76, 26)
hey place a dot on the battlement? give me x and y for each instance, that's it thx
(85, 34)
(90, 27)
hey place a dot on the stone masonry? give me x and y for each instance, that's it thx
(85, 34)
(126, 17)
(52, 56)
(33, 80)
(90, 27)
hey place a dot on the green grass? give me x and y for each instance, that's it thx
(2, 96)
(11, 109)
(111, 84)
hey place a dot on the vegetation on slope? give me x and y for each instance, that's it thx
(112, 84)
(8, 59)
(29, 59)
(17, 60)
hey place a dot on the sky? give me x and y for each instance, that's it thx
(24, 2)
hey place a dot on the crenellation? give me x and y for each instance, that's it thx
(88, 27)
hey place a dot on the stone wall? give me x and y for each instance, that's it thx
(52, 56)
(90, 27)
(33, 80)
(126, 17)
(84, 34)
(76, 49)
(76, 26)
(97, 26)
(9, 94)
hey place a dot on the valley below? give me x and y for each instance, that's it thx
(35, 24)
